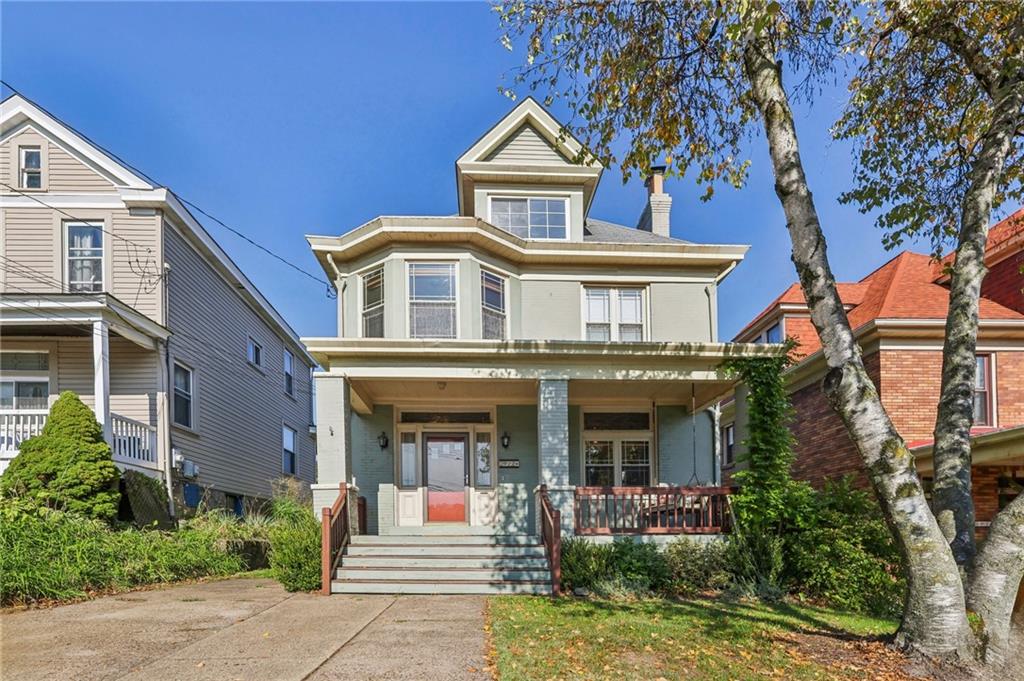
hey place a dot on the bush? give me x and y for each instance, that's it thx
(67, 467)
(697, 566)
(56, 555)
(756, 563)
(623, 568)
(294, 540)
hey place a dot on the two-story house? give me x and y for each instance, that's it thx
(898, 313)
(111, 289)
(519, 343)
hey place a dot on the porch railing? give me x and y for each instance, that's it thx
(551, 533)
(18, 425)
(134, 442)
(652, 510)
(335, 534)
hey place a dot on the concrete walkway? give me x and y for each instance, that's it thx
(246, 629)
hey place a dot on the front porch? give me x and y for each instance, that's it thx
(99, 348)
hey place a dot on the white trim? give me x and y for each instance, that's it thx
(520, 194)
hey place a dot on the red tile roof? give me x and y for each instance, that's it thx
(904, 288)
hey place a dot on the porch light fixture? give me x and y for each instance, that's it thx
(506, 440)
(382, 440)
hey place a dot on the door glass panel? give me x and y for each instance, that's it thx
(483, 460)
(408, 460)
(446, 477)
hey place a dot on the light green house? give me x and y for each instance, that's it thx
(521, 343)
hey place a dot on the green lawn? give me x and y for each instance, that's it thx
(542, 638)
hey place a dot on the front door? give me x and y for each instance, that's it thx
(446, 475)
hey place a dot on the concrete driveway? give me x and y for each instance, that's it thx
(246, 629)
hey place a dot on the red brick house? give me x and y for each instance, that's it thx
(898, 315)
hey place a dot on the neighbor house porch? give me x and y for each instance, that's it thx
(93, 345)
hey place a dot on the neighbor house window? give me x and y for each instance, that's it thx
(85, 257)
(25, 382)
(288, 462)
(255, 353)
(773, 334)
(289, 373)
(530, 218)
(617, 449)
(432, 300)
(373, 304)
(492, 296)
(31, 167)
(983, 415)
(183, 394)
(614, 314)
(728, 444)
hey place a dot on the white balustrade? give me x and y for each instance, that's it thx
(134, 442)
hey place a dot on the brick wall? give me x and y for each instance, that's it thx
(985, 490)
(1010, 388)
(1004, 282)
(910, 390)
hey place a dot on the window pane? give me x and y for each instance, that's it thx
(182, 379)
(431, 320)
(598, 305)
(631, 333)
(31, 158)
(981, 372)
(373, 323)
(981, 417)
(430, 281)
(601, 420)
(445, 417)
(636, 453)
(255, 353)
(599, 452)
(774, 334)
(288, 438)
(630, 306)
(7, 395)
(407, 462)
(182, 410)
(24, 361)
(599, 332)
(373, 289)
(493, 325)
(636, 476)
(492, 291)
(31, 394)
(483, 460)
(288, 359)
(600, 476)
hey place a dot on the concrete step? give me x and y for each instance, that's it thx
(441, 562)
(445, 529)
(384, 574)
(446, 540)
(453, 587)
(445, 550)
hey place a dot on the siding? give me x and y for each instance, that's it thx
(679, 312)
(526, 145)
(30, 240)
(240, 409)
(68, 174)
(133, 376)
(678, 437)
(135, 264)
(550, 310)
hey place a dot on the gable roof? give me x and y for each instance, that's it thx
(553, 159)
(906, 287)
(17, 111)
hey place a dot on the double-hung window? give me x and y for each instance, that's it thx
(31, 167)
(432, 311)
(728, 444)
(373, 304)
(289, 372)
(26, 382)
(289, 465)
(492, 296)
(254, 352)
(617, 449)
(614, 314)
(183, 394)
(84, 257)
(530, 218)
(983, 415)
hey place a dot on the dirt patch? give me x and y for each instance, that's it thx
(848, 656)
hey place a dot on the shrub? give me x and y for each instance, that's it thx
(622, 568)
(294, 539)
(756, 563)
(584, 563)
(56, 555)
(697, 566)
(68, 466)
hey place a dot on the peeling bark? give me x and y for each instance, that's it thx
(996, 579)
(934, 619)
(953, 504)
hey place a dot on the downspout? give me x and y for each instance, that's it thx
(712, 332)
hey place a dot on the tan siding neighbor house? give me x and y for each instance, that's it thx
(111, 289)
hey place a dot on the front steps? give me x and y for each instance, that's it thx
(443, 564)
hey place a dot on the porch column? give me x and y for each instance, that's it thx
(101, 376)
(333, 440)
(553, 447)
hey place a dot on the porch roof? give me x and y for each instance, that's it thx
(53, 310)
(997, 447)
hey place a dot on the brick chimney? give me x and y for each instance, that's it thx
(655, 217)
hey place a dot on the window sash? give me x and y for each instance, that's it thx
(289, 376)
(31, 166)
(373, 304)
(531, 217)
(432, 305)
(183, 396)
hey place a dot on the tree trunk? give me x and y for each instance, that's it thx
(934, 619)
(996, 579)
(953, 504)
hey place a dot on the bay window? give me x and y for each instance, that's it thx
(530, 218)
(373, 304)
(432, 312)
(614, 314)
(492, 297)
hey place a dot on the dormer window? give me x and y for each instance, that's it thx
(530, 218)
(31, 167)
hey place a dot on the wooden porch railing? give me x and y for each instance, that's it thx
(335, 534)
(551, 533)
(652, 510)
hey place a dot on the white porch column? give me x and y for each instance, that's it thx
(101, 376)
(553, 447)
(333, 439)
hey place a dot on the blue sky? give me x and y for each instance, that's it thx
(292, 119)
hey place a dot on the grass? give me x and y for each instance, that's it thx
(543, 638)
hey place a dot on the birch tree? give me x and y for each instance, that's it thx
(688, 84)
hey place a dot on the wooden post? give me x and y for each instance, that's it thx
(325, 551)
(556, 552)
